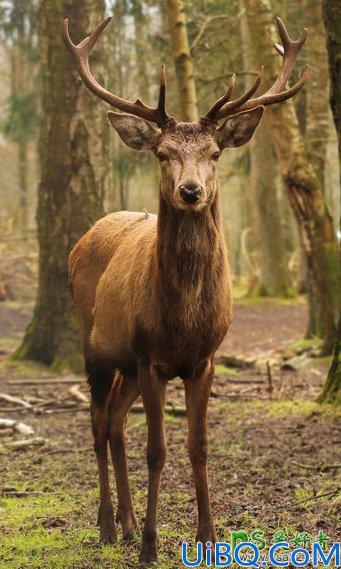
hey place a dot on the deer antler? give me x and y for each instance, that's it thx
(81, 53)
(277, 92)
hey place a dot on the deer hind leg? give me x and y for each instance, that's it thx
(124, 392)
(100, 377)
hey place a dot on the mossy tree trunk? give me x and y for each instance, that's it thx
(332, 21)
(316, 120)
(331, 392)
(73, 178)
(304, 191)
(182, 60)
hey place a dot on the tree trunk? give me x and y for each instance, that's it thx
(182, 59)
(332, 21)
(73, 178)
(274, 272)
(23, 185)
(317, 130)
(140, 48)
(331, 392)
(302, 185)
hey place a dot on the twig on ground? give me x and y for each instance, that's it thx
(312, 498)
(26, 443)
(77, 394)
(13, 409)
(69, 450)
(14, 425)
(11, 399)
(43, 381)
(318, 467)
(269, 375)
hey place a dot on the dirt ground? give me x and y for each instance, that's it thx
(274, 457)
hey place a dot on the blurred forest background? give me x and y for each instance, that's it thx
(273, 456)
(61, 168)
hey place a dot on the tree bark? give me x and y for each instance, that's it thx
(332, 21)
(23, 185)
(302, 185)
(182, 60)
(331, 392)
(317, 124)
(73, 143)
(274, 272)
(140, 49)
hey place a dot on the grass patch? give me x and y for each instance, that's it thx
(220, 369)
(301, 407)
(306, 344)
(24, 369)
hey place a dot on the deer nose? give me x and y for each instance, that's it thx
(190, 193)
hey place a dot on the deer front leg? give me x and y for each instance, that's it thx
(153, 391)
(100, 380)
(197, 392)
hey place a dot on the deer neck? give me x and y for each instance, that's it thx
(190, 251)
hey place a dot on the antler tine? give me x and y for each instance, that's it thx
(161, 105)
(229, 107)
(221, 102)
(81, 52)
(277, 92)
(223, 108)
(289, 51)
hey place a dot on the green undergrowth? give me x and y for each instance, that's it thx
(24, 369)
(55, 528)
(221, 369)
(236, 411)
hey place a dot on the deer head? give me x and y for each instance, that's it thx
(188, 152)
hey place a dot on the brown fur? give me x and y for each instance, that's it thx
(153, 297)
(153, 294)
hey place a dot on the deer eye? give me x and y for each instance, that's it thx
(161, 156)
(215, 156)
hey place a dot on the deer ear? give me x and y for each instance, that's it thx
(134, 131)
(238, 129)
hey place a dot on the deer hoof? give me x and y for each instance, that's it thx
(106, 525)
(148, 552)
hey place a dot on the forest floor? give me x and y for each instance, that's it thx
(273, 455)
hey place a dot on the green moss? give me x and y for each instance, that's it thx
(298, 407)
(306, 344)
(24, 368)
(72, 362)
(220, 369)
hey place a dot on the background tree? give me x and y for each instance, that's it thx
(182, 60)
(273, 267)
(332, 22)
(20, 126)
(73, 142)
(302, 185)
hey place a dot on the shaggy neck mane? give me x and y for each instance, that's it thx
(190, 255)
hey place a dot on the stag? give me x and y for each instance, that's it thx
(152, 293)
